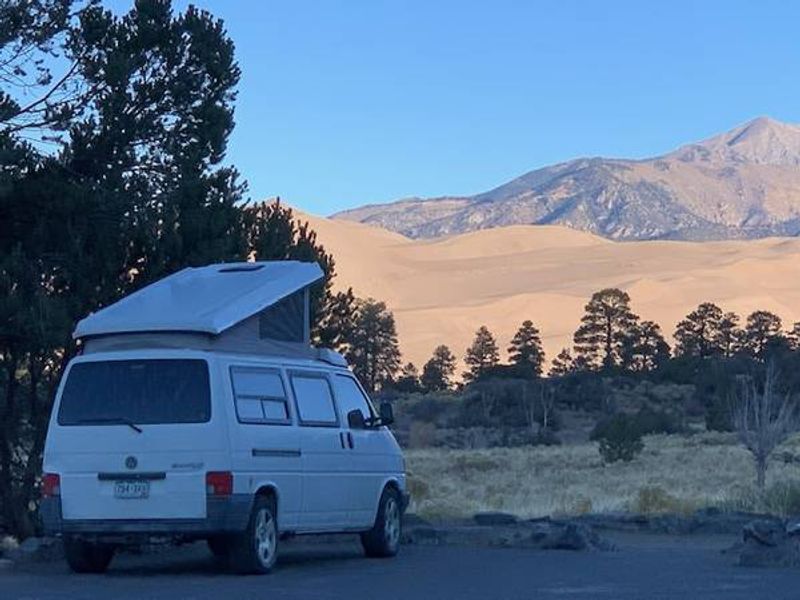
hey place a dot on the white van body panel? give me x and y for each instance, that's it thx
(264, 457)
(326, 477)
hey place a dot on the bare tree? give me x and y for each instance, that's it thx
(764, 417)
(541, 397)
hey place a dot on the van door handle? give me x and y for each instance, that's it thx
(341, 440)
(350, 440)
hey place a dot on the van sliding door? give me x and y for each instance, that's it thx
(324, 453)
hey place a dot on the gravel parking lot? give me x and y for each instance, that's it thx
(651, 567)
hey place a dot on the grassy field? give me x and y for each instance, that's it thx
(673, 474)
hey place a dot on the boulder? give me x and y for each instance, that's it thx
(766, 543)
(765, 533)
(571, 536)
(793, 528)
(541, 534)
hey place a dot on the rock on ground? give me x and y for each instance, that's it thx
(768, 543)
(499, 530)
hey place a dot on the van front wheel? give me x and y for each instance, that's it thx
(87, 557)
(383, 540)
(255, 550)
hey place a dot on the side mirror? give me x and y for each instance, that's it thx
(355, 419)
(386, 413)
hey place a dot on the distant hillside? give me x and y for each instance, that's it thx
(442, 290)
(741, 184)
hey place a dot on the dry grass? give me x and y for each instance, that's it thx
(673, 474)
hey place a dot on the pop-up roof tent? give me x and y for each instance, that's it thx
(254, 307)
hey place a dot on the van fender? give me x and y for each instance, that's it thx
(394, 482)
(262, 487)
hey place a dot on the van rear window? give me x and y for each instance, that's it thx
(136, 391)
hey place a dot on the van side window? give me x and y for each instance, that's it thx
(260, 396)
(350, 397)
(314, 400)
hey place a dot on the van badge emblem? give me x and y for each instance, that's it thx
(131, 462)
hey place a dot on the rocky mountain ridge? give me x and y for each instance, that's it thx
(741, 184)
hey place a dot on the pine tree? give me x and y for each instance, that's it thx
(607, 322)
(408, 381)
(562, 364)
(437, 373)
(373, 350)
(730, 336)
(793, 337)
(525, 351)
(644, 349)
(482, 355)
(136, 187)
(762, 329)
(700, 333)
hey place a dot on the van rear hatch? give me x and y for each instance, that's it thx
(133, 439)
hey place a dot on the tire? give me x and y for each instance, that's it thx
(87, 557)
(383, 540)
(220, 546)
(255, 550)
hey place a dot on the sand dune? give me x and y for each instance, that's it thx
(442, 290)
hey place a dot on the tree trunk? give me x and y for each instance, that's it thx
(761, 472)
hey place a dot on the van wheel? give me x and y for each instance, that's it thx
(87, 557)
(383, 540)
(220, 546)
(256, 549)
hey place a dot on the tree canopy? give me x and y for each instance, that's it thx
(525, 351)
(373, 350)
(129, 186)
(437, 373)
(482, 355)
(607, 322)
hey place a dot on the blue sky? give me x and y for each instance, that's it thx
(349, 102)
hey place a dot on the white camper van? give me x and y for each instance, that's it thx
(198, 410)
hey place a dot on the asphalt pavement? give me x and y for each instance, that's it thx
(650, 568)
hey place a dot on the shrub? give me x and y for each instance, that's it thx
(649, 421)
(620, 439)
(655, 499)
(429, 408)
(781, 498)
(418, 488)
(421, 434)
(646, 422)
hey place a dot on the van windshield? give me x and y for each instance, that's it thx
(136, 392)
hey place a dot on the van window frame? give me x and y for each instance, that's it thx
(264, 421)
(292, 373)
(58, 406)
(348, 375)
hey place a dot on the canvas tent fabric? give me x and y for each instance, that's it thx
(257, 306)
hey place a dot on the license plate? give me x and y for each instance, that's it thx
(131, 489)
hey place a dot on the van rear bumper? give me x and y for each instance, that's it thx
(223, 515)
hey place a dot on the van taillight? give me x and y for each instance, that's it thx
(51, 485)
(219, 483)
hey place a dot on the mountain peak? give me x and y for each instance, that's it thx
(761, 141)
(744, 183)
